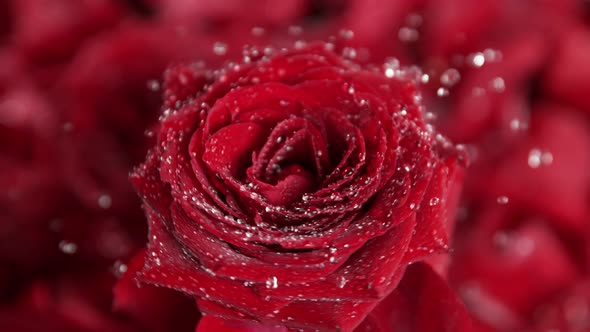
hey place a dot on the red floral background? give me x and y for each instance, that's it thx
(80, 93)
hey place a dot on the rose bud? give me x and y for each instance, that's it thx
(294, 188)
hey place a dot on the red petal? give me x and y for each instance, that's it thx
(213, 324)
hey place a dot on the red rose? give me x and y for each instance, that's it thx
(292, 188)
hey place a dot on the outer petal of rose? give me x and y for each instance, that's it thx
(432, 234)
(379, 260)
(329, 316)
(167, 265)
(214, 324)
(229, 262)
(146, 180)
(157, 309)
(422, 302)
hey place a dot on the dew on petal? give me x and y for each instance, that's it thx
(272, 282)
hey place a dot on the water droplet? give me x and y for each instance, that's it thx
(272, 282)
(434, 201)
(450, 77)
(498, 84)
(68, 127)
(414, 20)
(342, 282)
(425, 78)
(477, 59)
(389, 72)
(515, 124)
(442, 92)
(295, 30)
(478, 91)
(257, 31)
(534, 158)
(347, 34)
(67, 247)
(220, 48)
(153, 85)
(407, 34)
(349, 52)
(546, 158)
(502, 200)
(119, 268)
(538, 158)
(105, 201)
(492, 55)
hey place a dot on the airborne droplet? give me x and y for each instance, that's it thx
(219, 48)
(105, 201)
(450, 77)
(68, 247)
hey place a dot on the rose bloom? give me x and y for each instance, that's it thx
(293, 188)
